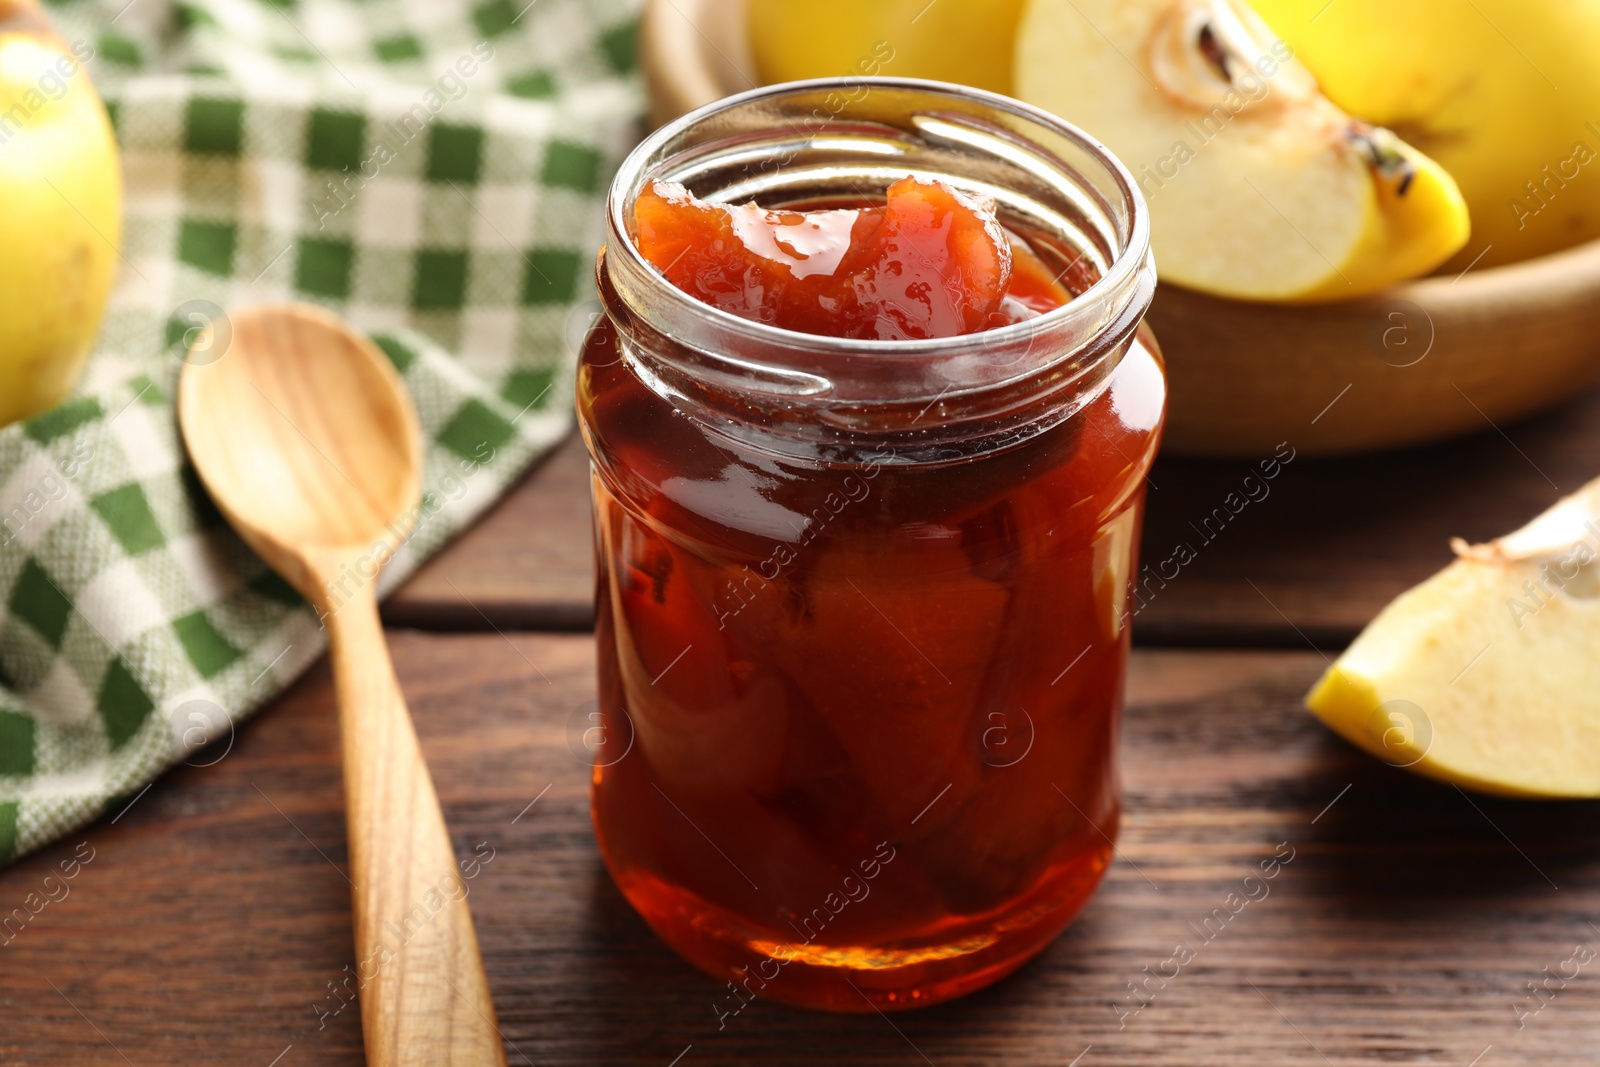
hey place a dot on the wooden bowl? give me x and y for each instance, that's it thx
(1430, 359)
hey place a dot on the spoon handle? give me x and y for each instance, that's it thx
(424, 997)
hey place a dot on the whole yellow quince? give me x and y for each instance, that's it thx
(61, 187)
(1505, 94)
(963, 41)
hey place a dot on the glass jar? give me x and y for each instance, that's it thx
(863, 606)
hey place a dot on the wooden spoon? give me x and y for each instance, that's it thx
(309, 444)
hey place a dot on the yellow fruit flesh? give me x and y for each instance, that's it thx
(1486, 675)
(1408, 234)
(1496, 91)
(964, 41)
(61, 184)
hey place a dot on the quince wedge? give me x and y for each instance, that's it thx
(1259, 187)
(1487, 675)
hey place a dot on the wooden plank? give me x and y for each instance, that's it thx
(1327, 544)
(1332, 541)
(528, 564)
(214, 914)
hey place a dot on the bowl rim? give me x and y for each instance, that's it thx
(1531, 279)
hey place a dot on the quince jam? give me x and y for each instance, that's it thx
(858, 711)
(932, 261)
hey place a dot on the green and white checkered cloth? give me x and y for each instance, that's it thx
(433, 170)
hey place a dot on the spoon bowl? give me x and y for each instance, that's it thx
(308, 442)
(305, 437)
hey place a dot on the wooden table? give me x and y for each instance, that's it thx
(213, 924)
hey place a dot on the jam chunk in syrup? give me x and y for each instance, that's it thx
(931, 261)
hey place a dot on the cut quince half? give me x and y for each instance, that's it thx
(1260, 188)
(1487, 675)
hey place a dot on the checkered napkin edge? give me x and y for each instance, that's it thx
(433, 172)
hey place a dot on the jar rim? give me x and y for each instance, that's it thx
(648, 157)
(802, 393)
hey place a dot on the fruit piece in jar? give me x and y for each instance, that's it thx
(931, 261)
